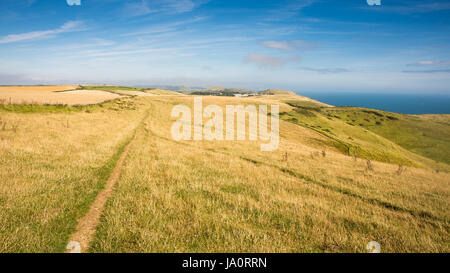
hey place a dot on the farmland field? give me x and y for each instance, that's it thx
(330, 187)
(64, 95)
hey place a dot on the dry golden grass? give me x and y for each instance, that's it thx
(208, 196)
(133, 93)
(51, 168)
(202, 196)
(53, 95)
(288, 97)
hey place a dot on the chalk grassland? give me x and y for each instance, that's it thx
(52, 165)
(210, 196)
(202, 196)
(65, 95)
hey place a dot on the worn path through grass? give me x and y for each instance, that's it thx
(80, 240)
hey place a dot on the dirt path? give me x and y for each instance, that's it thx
(79, 241)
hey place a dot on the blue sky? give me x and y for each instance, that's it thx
(310, 45)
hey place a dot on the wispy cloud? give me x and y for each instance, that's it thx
(265, 60)
(290, 10)
(429, 63)
(104, 53)
(180, 6)
(428, 71)
(35, 35)
(137, 8)
(277, 45)
(170, 27)
(144, 7)
(409, 7)
(326, 70)
(29, 3)
(288, 45)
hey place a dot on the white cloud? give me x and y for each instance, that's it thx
(278, 45)
(74, 2)
(288, 45)
(34, 35)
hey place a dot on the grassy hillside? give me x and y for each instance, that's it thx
(372, 134)
(201, 196)
(53, 163)
(211, 196)
(427, 136)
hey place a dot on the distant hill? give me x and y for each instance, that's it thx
(177, 88)
(226, 89)
(276, 92)
(223, 91)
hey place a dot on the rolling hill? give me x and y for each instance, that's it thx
(341, 177)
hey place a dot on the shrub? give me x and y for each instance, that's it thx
(369, 165)
(392, 118)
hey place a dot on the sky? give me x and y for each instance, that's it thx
(398, 46)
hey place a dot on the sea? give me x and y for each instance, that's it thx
(392, 102)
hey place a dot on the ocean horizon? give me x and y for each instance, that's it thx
(391, 102)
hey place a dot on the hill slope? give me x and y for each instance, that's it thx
(370, 134)
(214, 196)
(233, 197)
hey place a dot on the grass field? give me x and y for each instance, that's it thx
(52, 167)
(317, 193)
